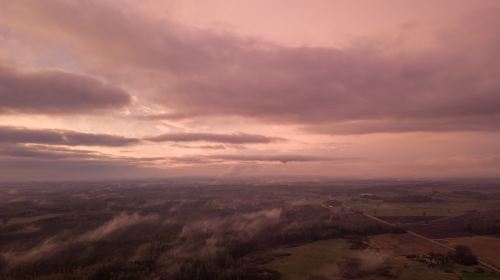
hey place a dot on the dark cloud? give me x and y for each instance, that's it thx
(238, 138)
(56, 92)
(38, 152)
(48, 153)
(10, 134)
(19, 169)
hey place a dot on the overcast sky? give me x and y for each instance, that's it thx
(104, 89)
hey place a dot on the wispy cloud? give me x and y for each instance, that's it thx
(121, 221)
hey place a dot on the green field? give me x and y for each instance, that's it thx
(313, 259)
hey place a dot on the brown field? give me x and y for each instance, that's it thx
(403, 244)
(487, 248)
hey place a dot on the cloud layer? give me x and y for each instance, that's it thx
(203, 73)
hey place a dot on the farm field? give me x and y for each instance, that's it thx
(403, 244)
(317, 259)
(181, 230)
(383, 258)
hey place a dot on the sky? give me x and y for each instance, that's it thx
(108, 89)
